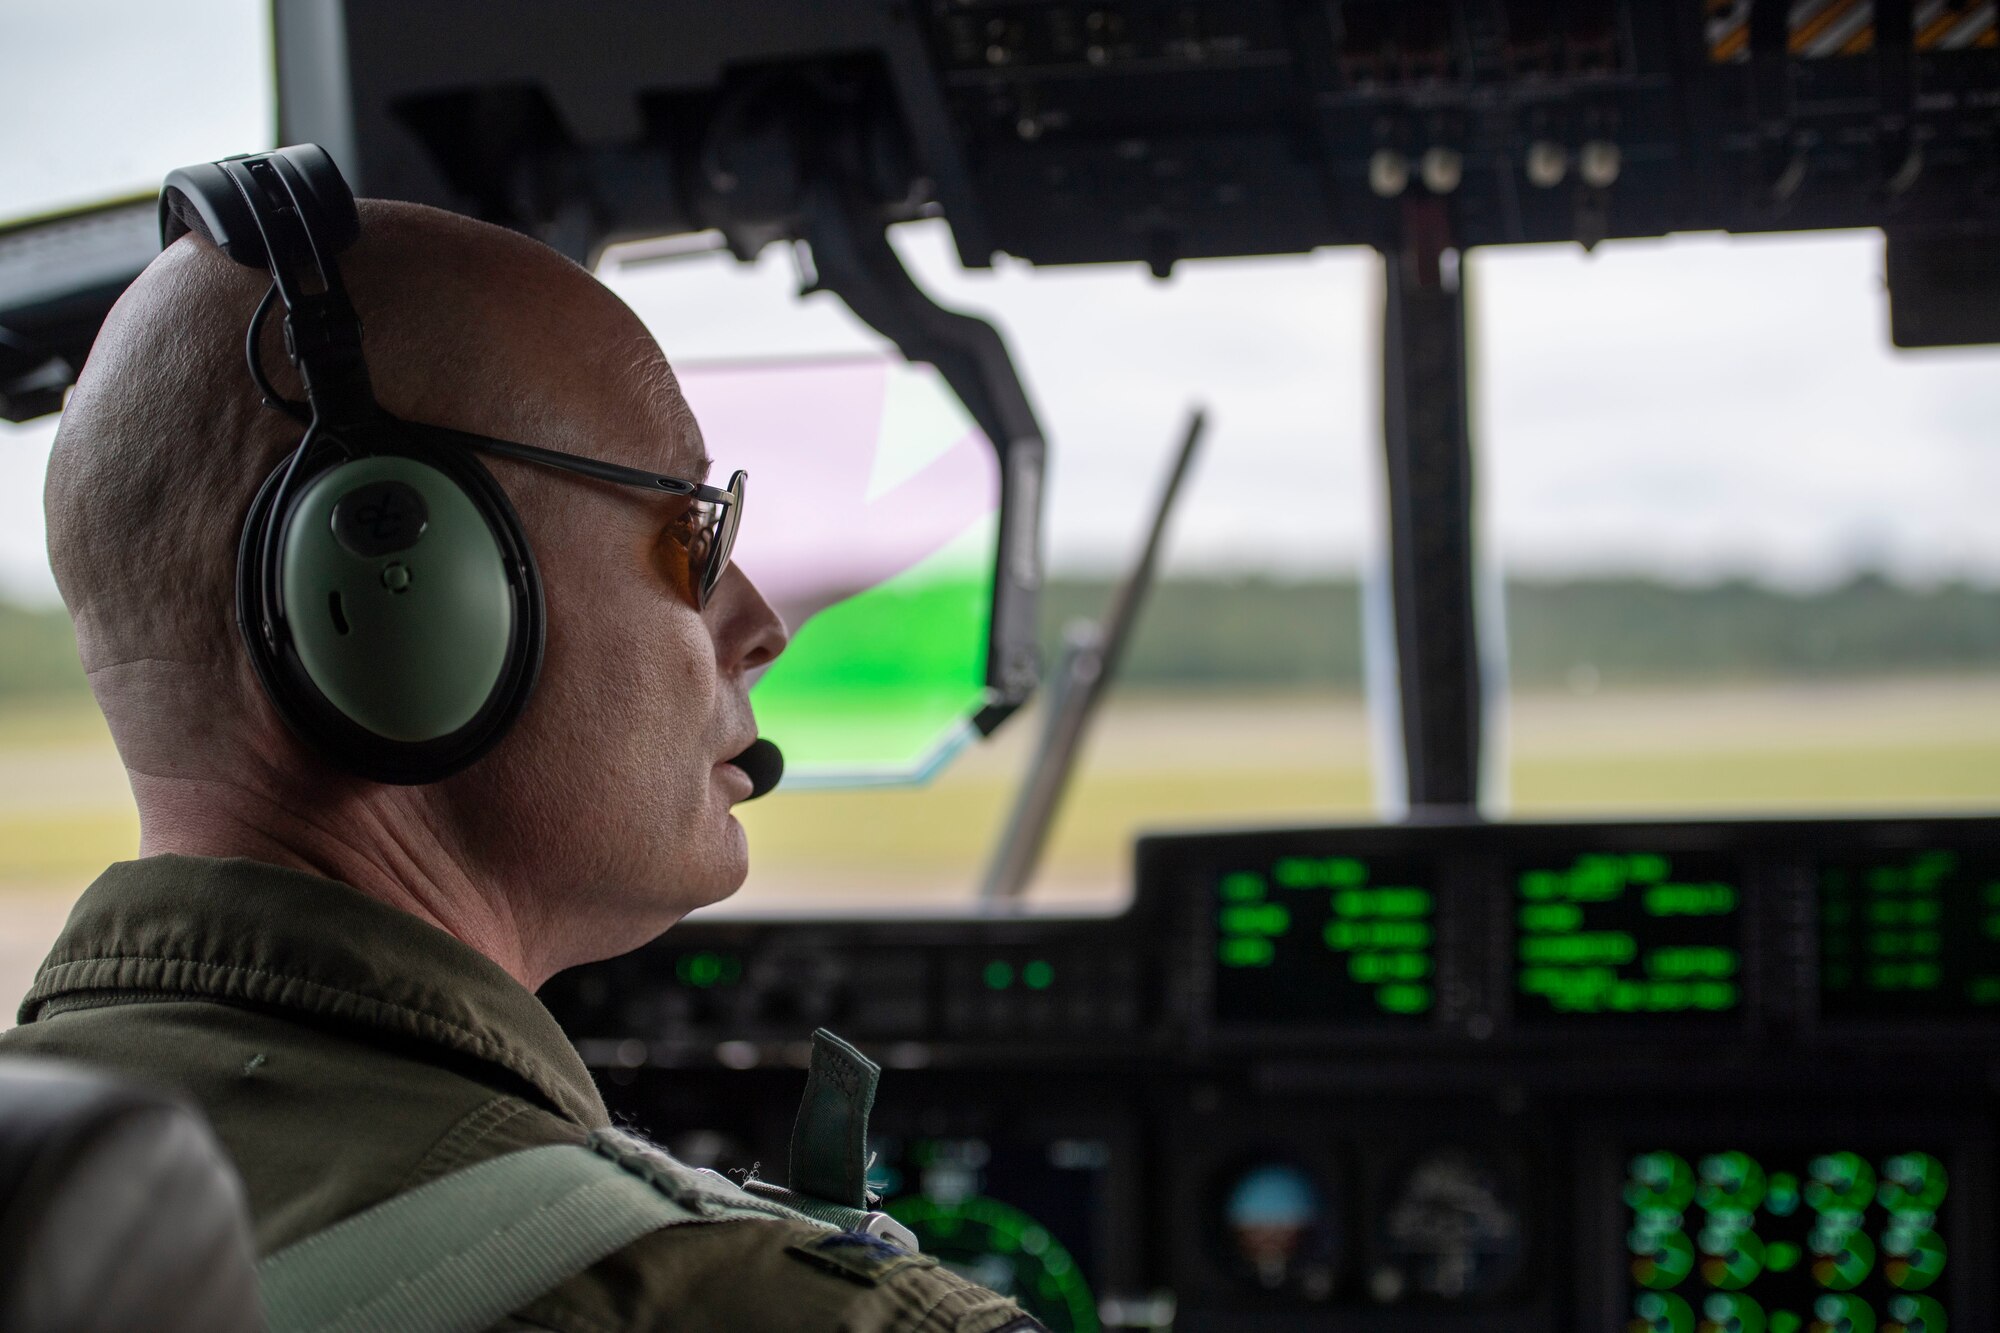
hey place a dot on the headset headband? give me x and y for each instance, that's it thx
(205, 200)
(288, 212)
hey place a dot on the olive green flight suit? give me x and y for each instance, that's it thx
(345, 1052)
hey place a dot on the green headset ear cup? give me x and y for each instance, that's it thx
(443, 635)
(409, 644)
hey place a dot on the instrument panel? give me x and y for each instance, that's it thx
(1694, 1078)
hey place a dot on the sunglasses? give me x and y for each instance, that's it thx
(706, 531)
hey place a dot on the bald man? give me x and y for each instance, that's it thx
(342, 973)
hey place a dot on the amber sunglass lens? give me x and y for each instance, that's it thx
(700, 528)
(707, 544)
(676, 563)
(722, 535)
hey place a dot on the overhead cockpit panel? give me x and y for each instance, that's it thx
(1072, 132)
(1161, 130)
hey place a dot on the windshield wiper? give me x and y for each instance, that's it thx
(1092, 651)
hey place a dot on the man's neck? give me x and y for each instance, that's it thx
(375, 840)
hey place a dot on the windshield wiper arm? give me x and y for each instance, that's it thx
(1091, 654)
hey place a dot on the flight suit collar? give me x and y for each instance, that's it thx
(183, 927)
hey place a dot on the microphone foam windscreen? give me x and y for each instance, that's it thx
(764, 763)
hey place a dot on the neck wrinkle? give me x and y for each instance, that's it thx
(244, 787)
(378, 841)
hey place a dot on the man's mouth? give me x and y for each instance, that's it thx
(736, 779)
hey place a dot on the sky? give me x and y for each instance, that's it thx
(1692, 408)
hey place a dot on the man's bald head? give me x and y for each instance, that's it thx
(164, 441)
(609, 784)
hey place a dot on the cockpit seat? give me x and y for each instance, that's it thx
(118, 1211)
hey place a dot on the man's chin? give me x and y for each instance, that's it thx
(690, 898)
(722, 894)
(732, 865)
(702, 881)
(735, 851)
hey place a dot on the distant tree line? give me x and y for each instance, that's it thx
(1608, 632)
(37, 653)
(1635, 631)
(1265, 633)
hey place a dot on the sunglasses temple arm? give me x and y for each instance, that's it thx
(550, 458)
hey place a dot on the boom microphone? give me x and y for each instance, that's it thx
(764, 764)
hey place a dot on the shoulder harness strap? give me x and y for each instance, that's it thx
(461, 1253)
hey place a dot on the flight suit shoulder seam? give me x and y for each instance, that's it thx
(454, 1148)
(477, 1043)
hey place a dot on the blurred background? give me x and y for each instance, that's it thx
(1746, 548)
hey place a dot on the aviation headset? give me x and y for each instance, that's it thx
(385, 589)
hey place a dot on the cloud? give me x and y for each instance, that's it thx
(101, 98)
(1712, 405)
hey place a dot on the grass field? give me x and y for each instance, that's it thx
(1156, 762)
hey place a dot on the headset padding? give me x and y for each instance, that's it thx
(204, 200)
(311, 715)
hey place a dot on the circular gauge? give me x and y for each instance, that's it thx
(1453, 1230)
(1840, 1182)
(1281, 1231)
(1002, 1248)
(1659, 1182)
(1661, 1312)
(1660, 1258)
(1843, 1255)
(1735, 1256)
(1912, 1183)
(1916, 1314)
(1731, 1312)
(1731, 1182)
(1781, 1197)
(1915, 1257)
(1842, 1314)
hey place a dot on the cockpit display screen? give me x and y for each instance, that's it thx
(1640, 934)
(1035, 1242)
(1915, 934)
(1305, 940)
(1787, 1241)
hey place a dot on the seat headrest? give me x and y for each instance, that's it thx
(118, 1210)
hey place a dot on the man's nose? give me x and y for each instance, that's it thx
(748, 633)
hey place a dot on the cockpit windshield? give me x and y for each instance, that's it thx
(876, 500)
(101, 98)
(1390, 702)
